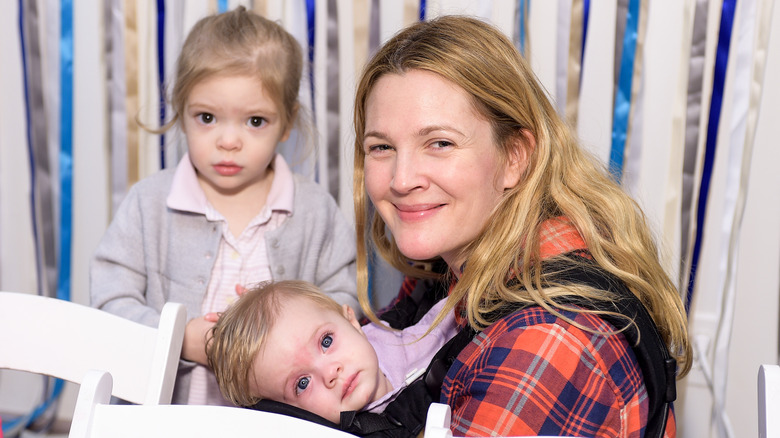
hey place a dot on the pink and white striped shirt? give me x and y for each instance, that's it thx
(241, 260)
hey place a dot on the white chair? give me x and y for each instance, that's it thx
(769, 401)
(94, 417)
(439, 418)
(63, 339)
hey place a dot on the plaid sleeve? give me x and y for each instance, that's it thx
(531, 373)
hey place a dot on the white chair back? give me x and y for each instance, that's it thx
(439, 418)
(769, 401)
(63, 339)
(94, 417)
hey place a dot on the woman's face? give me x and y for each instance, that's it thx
(432, 169)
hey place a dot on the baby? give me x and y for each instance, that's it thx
(289, 342)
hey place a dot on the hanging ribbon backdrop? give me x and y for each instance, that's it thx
(143, 37)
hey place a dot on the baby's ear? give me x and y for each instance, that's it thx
(350, 315)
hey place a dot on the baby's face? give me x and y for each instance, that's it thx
(318, 360)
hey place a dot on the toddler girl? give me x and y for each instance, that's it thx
(231, 213)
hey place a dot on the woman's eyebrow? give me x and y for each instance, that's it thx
(428, 129)
(376, 134)
(420, 133)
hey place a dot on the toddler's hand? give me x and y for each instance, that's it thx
(194, 346)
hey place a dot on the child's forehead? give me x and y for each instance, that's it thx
(307, 304)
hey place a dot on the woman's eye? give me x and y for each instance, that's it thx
(379, 148)
(442, 144)
(206, 118)
(256, 122)
(326, 342)
(301, 385)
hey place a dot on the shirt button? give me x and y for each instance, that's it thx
(280, 270)
(208, 255)
(201, 281)
(275, 243)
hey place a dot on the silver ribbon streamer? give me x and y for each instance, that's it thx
(334, 134)
(43, 181)
(692, 123)
(117, 88)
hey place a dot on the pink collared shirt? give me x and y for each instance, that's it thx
(240, 260)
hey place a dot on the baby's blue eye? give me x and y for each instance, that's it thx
(302, 384)
(326, 342)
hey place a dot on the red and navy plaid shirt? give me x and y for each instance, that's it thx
(532, 373)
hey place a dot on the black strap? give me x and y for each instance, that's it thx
(658, 367)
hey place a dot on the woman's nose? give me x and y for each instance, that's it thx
(408, 173)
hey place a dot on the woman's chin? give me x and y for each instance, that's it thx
(417, 253)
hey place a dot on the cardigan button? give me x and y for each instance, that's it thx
(275, 243)
(280, 270)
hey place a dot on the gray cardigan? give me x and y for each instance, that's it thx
(151, 254)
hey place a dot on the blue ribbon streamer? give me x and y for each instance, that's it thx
(585, 20)
(421, 12)
(522, 16)
(161, 72)
(311, 17)
(30, 418)
(66, 146)
(622, 108)
(719, 80)
(222, 6)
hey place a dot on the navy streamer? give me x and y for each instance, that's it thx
(585, 20)
(311, 26)
(421, 12)
(161, 72)
(718, 83)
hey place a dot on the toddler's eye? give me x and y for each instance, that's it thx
(206, 118)
(301, 386)
(256, 122)
(326, 342)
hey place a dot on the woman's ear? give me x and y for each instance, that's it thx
(522, 146)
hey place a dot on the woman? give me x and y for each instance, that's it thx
(461, 158)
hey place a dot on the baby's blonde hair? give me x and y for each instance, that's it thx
(242, 330)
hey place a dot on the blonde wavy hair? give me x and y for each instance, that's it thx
(561, 179)
(240, 334)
